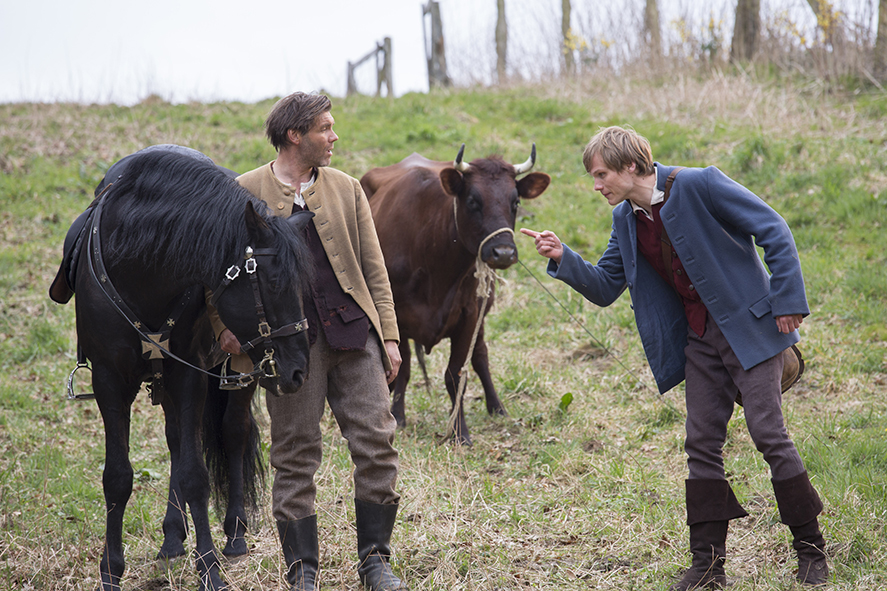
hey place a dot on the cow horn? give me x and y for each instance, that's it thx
(526, 166)
(458, 164)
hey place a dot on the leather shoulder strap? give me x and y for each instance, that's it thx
(665, 243)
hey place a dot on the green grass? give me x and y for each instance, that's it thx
(581, 486)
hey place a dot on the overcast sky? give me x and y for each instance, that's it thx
(206, 50)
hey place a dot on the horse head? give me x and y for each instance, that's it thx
(263, 308)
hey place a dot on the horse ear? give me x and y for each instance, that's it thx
(255, 224)
(451, 181)
(299, 220)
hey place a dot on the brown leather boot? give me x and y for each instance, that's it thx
(708, 542)
(799, 505)
(711, 504)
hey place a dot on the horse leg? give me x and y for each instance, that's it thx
(114, 403)
(175, 522)
(480, 361)
(239, 430)
(400, 385)
(188, 398)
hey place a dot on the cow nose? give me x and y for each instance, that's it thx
(502, 256)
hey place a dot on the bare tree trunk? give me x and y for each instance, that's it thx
(746, 30)
(881, 43)
(569, 42)
(501, 41)
(652, 31)
(828, 20)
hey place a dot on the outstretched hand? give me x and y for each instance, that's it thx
(547, 244)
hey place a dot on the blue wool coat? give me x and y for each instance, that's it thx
(714, 224)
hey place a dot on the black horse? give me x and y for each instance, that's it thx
(231, 436)
(164, 229)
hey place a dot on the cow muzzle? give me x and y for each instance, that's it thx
(499, 256)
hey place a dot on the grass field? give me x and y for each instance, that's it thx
(559, 495)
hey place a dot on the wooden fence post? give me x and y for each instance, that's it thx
(383, 69)
(434, 53)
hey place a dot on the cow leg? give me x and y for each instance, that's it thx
(480, 361)
(236, 428)
(175, 522)
(400, 385)
(114, 398)
(458, 354)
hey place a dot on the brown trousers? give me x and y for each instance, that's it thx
(353, 383)
(714, 377)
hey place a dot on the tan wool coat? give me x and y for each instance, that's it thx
(345, 225)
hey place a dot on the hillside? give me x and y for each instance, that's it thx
(578, 495)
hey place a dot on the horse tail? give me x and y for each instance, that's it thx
(215, 452)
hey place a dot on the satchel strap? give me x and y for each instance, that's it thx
(665, 243)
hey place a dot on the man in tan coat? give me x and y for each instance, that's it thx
(353, 356)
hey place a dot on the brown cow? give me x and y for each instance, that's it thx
(432, 218)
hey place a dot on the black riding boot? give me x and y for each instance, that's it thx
(300, 551)
(798, 507)
(374, 526)
(711, 504)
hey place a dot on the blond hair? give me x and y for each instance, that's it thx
(619, 148)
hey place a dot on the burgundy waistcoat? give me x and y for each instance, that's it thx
(649, 244)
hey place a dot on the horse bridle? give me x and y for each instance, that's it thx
(268, 365)
(153, 343)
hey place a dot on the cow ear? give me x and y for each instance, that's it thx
(255, 224)
(533, 185)
(451, 181)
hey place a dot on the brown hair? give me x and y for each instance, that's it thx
(620, 147)
(296, 112)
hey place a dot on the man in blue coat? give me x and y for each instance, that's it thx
(708, 312)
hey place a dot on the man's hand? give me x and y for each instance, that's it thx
(547, 244)
(790, 323)
(229, 342)
(394, 355)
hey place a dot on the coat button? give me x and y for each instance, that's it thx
(678, 272)
(691, 288)
(280, 206)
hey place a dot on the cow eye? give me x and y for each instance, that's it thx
(475, 204)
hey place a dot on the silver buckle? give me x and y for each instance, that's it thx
(232, 273)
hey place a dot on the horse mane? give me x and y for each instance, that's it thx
(184, 215)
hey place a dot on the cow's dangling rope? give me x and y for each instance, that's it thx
(486, 279)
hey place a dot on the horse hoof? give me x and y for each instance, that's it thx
(170, 551)
(212, 582)
(235, 549)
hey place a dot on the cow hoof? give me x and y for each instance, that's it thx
(462, 440)
(497, 412)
